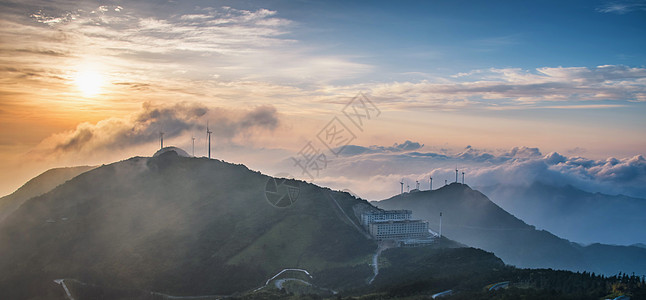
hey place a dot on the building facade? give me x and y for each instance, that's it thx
(385, 215)
(401, 229)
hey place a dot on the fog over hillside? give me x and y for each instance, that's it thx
(178, 226)
(469, 217)
(326, 149)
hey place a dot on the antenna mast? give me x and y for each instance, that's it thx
(440, 224)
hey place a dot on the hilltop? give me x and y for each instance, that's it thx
(180, 226)
(171, 226)
(37, 186)
(610, 219)
(471, 218)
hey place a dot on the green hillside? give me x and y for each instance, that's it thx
(171, 226)
(37, 186)
(180, 226)
(471, 218)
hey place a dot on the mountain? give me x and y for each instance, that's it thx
(37, 186)
(573, 213)
(174, 227)
(471, 218)
(640, 245)
(180, 226)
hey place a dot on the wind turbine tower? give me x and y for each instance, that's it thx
(402, 183)
(408, 188)
(161, 139)
(417, 184)
(430, 184)
(208, 133)
(456, 174)
(462, 177)
(193, 139)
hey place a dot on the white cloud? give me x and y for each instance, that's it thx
(237, 44)
(518, 88)
(120, 134)
(375, 172)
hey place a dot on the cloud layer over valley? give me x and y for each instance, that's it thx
(375, 172)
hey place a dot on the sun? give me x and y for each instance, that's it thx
(89, 82)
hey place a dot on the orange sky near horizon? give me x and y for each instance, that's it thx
(95, 84)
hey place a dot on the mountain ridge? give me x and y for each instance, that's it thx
(471, 218)
(184, 226)
(172, 226)
(564, 209)
(37, 186)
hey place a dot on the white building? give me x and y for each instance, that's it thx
(385, 215)
(401, 229)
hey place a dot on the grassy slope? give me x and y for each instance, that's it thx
(471, 218)
(37, 186)
(175, 225)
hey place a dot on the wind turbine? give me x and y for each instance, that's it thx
(430, 184)
(417, 184)
(402, 183)
(193, 138)
(456, 174)
(208, 133)
(462, 177)
(161, 139)
(408, 188)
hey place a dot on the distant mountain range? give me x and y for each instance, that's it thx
(170, 226)
(471, 218)
(37, 186)
(573, 213)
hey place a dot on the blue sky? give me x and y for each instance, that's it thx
(448, 37)
(83, 82)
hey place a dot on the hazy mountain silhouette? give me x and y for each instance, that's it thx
(37, 186)
(471, 218)
(146, 228)
(573, 213)
(182, 226)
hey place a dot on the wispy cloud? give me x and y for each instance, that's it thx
(511, 87)
(623, 7)
(202, 44)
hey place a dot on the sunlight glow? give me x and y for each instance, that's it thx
(89, 82)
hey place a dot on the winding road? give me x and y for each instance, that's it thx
(67, 291)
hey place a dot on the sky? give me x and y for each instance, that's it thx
(504, 90)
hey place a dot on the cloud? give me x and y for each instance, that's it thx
(513, 87)
(374, 172)
(623, 7)
(202, 43)
(145, 126)
(408, 146)
(351, 150)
